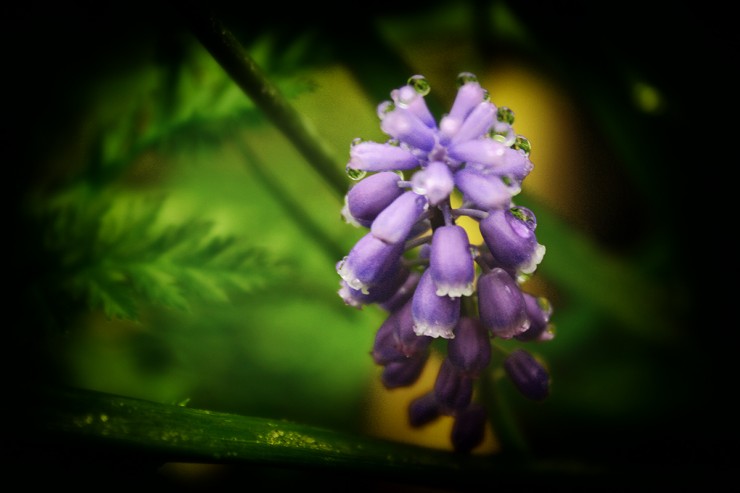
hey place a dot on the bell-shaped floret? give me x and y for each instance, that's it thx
(395, 222)
(402, 294)
(451, 262)
(434, 315)
(528, 375)
(370, 263)
(501, 304)
(510, 237)
(410, 98)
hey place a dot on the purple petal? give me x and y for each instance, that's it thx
(451, 262)
(434, 316)
(501, 304)
(396, 221)
(374, 156)
(491, 156)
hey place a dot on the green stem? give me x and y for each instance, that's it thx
(78, 422)
(234, 59)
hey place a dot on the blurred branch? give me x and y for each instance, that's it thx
(76, 421)
(231, 55)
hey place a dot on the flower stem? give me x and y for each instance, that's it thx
(234, 59)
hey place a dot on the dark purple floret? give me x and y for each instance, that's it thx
(528, 375)
(404, 373)
(423, 410)
(452, 388)
(468, 429)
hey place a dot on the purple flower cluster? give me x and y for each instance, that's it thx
(417, 263)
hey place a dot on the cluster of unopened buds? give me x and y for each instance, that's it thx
(417, 263)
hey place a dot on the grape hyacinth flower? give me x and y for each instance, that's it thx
(418, 264)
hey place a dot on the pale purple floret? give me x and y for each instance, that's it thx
(477, 123)
(403, 125)
(395, 222)
(435, 182)
(408, 97)
(451, 262)
(528, 375)
(468, 429)
(452, 388)
(434, 315)
(369, 196)
(470, 350)
(371, 262)
(490, 156)
(485, 191)
(374, 156)
(501, 304)
(510, 237)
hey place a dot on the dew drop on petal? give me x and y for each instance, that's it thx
(522, 144)
(420, 84)
(355, 141)
(465, 78)
(355, 174)
(384, 108)
(502, 132)
(505, 114)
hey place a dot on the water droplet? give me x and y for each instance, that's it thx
(526, 216)
(384, 108)
(502, 132)
(355, 141)
(521, 143)
(355, 174)
(393, 142)
(486, 95)
(465, 78)
(505, 114)
(420, 84)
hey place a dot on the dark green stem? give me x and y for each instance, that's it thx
(234, 59)
(77, 423)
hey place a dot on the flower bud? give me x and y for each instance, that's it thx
(370, 196)
(528, 375)
(470, 350)
(396, 221)
(434, 315)
(423, 410)
(509, 235)
(452, 388)
(468, 429)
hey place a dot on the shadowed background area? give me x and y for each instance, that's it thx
(137, 157)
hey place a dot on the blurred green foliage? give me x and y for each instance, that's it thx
(173, 246)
